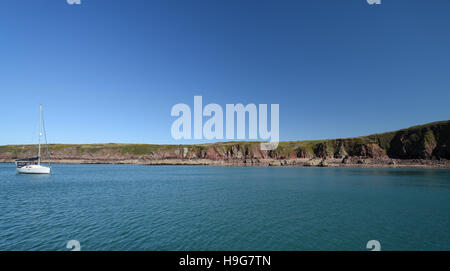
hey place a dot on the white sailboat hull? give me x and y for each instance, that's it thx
(33, 169)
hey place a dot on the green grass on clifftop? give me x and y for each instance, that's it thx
(431, 133)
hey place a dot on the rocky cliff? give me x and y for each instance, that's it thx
(427, 144)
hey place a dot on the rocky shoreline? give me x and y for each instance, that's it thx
(300, 162)
(424, 146)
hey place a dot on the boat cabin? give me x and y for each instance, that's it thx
(27, 161)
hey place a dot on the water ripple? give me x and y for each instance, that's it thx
(125, 207)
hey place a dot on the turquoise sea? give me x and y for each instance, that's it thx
(133, 207)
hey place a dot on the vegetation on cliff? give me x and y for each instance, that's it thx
(429, 141)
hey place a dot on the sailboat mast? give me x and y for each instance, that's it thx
(39, 137)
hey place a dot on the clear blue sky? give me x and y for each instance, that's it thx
(110, 70)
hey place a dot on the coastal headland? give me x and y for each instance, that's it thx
(424, 146)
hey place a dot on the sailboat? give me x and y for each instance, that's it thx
(33, 165)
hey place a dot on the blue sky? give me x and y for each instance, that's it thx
(110, 70)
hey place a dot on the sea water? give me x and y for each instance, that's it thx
(136, 207)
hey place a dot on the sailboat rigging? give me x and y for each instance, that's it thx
(33, 165)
